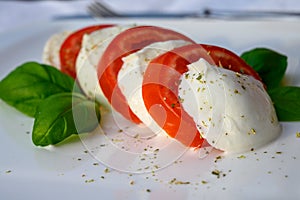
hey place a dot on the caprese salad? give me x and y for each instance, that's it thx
(165, 80)
(159, 77)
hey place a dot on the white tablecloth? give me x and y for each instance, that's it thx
(18, 13)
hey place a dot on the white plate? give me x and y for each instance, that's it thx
(68, 171)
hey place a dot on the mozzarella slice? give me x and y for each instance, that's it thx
(93, 46)
(130, 78)
(233, 112)
(52, 48)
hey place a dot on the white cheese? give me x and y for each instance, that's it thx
(130, 78)
(93, 46)
(233, 112)
(52, 48)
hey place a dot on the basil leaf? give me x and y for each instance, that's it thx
(26, 86)
(286, 102)
(269, 64)
(62, 115)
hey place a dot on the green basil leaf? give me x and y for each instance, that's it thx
(286, 102)
(269, 64)
(62, 115)
(26, 86)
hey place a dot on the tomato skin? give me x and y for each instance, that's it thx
(125, 43)
(70, 48)
(161, 81)
(224, 58)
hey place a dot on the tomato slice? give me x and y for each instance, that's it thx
(70, 48)
(161, 80)
(111, 62)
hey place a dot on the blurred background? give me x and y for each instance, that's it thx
(19, 13)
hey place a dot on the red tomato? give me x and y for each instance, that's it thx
(125, 43)
(70, 48)
(161, 80)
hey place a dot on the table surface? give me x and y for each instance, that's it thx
(21, 13)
